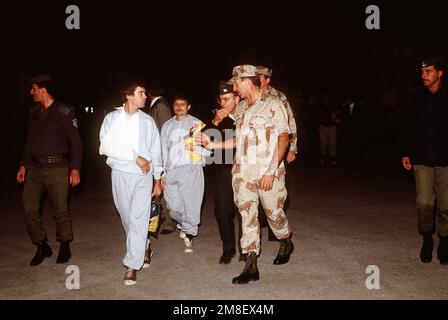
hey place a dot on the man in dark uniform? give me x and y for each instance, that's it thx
(224, 204)
(425, 138)
(51, 160)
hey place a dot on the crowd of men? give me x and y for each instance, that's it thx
(153, 153)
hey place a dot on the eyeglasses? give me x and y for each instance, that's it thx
(223, 100)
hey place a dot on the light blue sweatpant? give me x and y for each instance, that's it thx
(183, 194)
(132, 197)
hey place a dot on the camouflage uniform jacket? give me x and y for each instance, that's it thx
(291, 119)
(257, 130)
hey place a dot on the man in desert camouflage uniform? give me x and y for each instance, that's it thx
(258, 174)
(265, 75)
(265, 78)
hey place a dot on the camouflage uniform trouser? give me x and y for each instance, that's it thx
(247, 195)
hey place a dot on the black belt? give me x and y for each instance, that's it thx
(55, 158)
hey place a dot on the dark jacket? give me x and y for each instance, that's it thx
(160, 112)
(425, 127)
(53, 132)
(227, 130)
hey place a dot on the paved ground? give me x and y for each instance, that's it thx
(344, 219)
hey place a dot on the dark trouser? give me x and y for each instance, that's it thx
(432, 184)
(56, 182)
(225, 207)
(167, 222)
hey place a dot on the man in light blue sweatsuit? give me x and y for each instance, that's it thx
(131, 141)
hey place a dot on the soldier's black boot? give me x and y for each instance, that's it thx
(43, 251)
(442, 250)
(285, 250)
(427, 246)
(64, 252)
(250, 272)
(271, 235)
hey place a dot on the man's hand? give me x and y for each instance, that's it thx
(220, 115)
(203, 140)
(144, 164)
(75, 177)
(21, 174)
(157, 189)
(163, 183)
(406, 163)
(267, 182)
(290, 157)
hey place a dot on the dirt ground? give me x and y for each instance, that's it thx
(344, 220)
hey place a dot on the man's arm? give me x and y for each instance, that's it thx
(71, 128)
(208, 144)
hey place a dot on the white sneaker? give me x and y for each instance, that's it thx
(182, 235)
(179, 226)
(188, 245)
(130, 277)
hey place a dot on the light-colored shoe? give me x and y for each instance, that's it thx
(179, 226)
(130, 277)
(147, 260)
(182, 235)
(188, 245)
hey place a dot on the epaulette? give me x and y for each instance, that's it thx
(64, 109)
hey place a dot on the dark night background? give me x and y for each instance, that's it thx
(312, 46)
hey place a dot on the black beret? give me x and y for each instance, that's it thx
(225, 87)
(431, 60)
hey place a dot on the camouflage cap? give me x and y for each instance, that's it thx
(243, 71)
(265, 71)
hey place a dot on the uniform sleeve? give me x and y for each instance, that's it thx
(279, 118)
(292, 125)
(71, 129)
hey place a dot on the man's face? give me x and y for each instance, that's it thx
(139, 97)
(181, 107)
(430, 75)
(37, 93)
(264, 82)
(241, 86)
(228, 101)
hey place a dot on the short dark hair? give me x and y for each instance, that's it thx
(156, 91)
(43, 81)
(255, 80)
(128, 89)
(181, 96)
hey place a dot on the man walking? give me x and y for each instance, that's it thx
(51, 161)
(425, 137)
